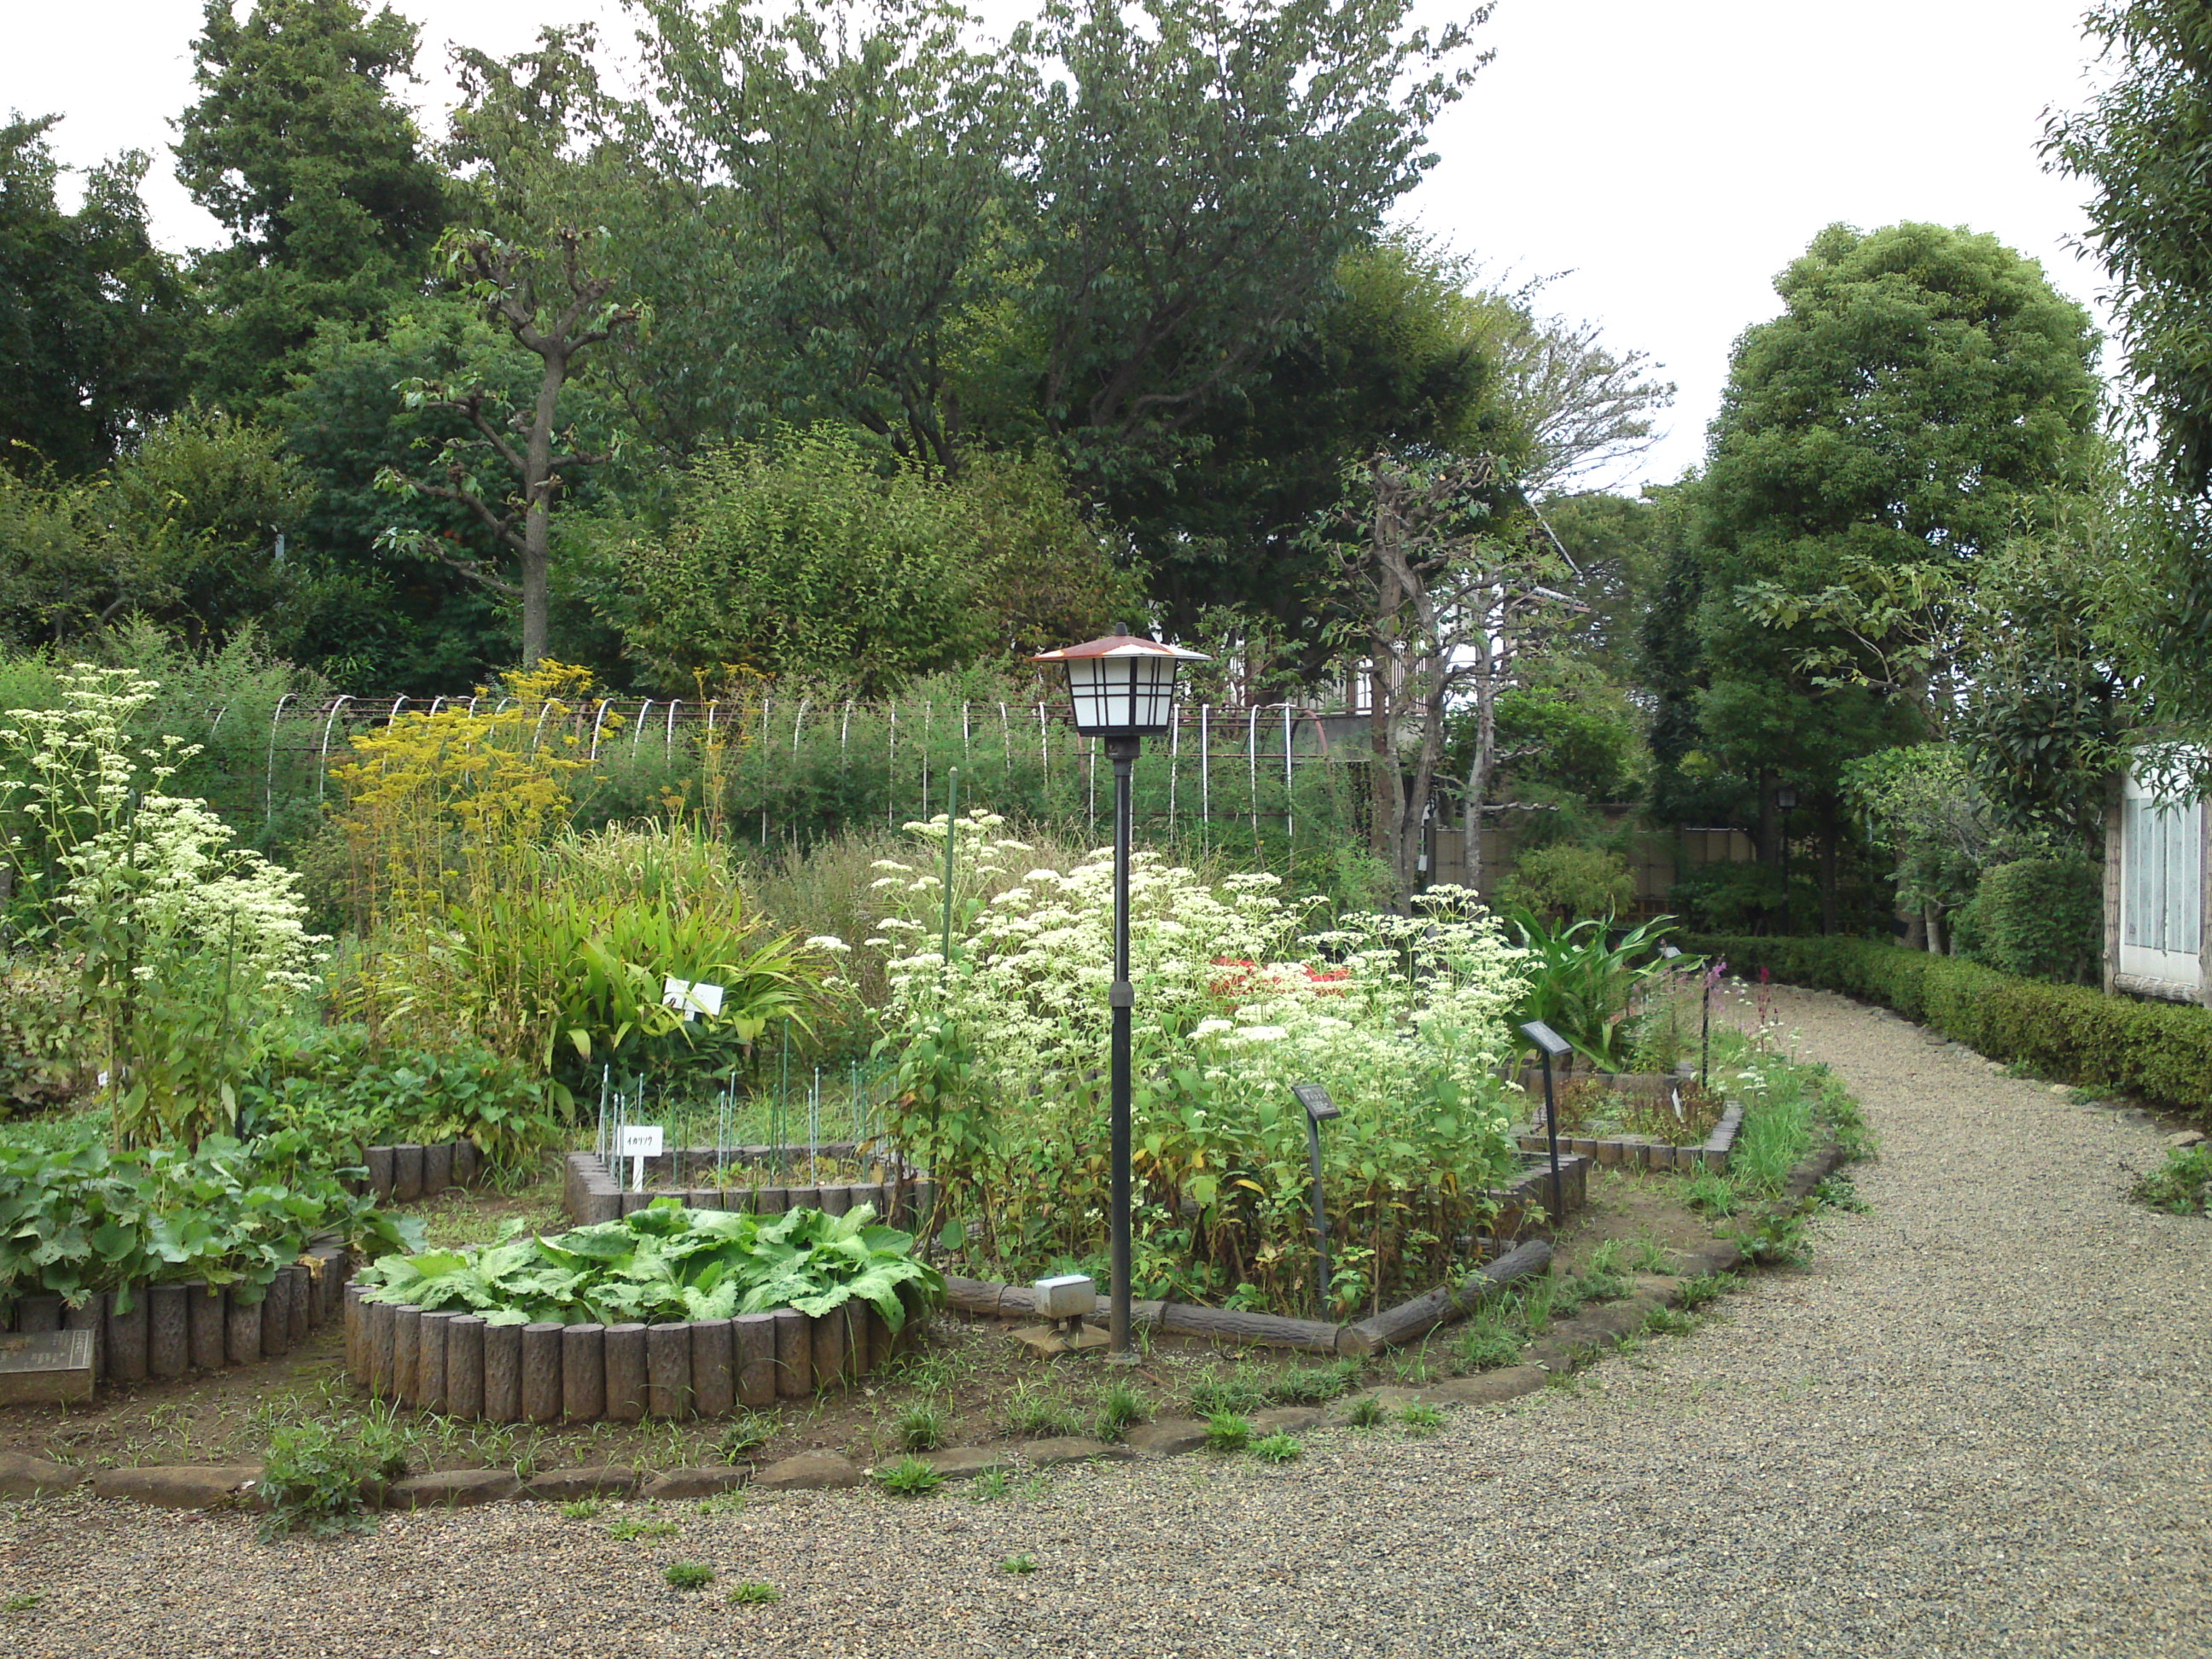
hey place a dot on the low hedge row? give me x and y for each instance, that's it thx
(2161, 1051)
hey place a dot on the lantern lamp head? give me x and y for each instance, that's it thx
(1122, 686)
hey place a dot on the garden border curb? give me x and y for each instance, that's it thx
(406, 1171)
(590, 1194)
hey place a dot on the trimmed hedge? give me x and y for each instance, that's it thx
(2161, 1051)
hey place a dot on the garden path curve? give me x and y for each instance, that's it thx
(1976, 1426)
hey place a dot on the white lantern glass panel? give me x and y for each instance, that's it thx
(1124, 695)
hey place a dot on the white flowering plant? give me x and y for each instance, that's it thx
(187, 945)
(1003, 1090)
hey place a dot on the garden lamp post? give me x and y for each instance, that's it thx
(1123, 691)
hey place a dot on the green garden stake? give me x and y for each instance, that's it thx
(952, 835)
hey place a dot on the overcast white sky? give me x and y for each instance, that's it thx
(1670, 158)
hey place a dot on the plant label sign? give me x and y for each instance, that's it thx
(637, 1142)
(694, 997)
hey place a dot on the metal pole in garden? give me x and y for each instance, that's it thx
(951, 836)
(1315, 1099)
(1123, 691)
(1549, 1043)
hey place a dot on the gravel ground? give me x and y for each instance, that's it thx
(1978, 1425)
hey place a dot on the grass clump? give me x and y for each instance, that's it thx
(582, 1509)
(910, 1477)
(752, 1594)
(21, 1602)
(1367, 1412)
(1487, 1341)
(689, 1574)
(2180, 1185)
(1670, 1322)
(1838, 1192)
(1227, 1431)
(1019, 1564)
(1418, 1418)
(1704, 1289)
(748, 1432)
(313, 1475)
(629, 1530)
(992, 1484)
(1235, 1393)
(920, 1426)
(1313, 1385)
(1120, 1409)
(1277, 1448)
(1037, 1416)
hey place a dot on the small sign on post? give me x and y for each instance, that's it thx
(694, 997)
(638, 1142)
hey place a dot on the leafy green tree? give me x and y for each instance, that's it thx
(298, 146)
(2139, 144)
(1924, 396)
(92, 314)
(818, 558)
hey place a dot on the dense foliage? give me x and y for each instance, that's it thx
(1400, 1018)
(76, 1218)
(665, 1262)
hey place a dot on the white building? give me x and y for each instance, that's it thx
(2156, 939)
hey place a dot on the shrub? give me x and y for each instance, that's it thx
(2038, 919)
(1568, 883)
(2070, 1033)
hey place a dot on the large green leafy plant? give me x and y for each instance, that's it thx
(76, 1218)
(665, 1262)
(1584, 985)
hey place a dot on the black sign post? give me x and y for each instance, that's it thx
(1550, 1044)
(1319, 1107)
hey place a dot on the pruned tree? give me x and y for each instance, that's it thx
(537, 278)
(1449, 595)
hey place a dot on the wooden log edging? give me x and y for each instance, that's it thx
(461, 1365)
(592, 1194)
(405, 1173)
(159, 1332)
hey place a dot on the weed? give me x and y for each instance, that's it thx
(1226, 1431)
(1277, 1448)
(722, 1503)
(628, 1531)
(1033, 1415)
(1779, 1239)
(1414, 1370)
(1038, 1487)
(1536, 1303)
(1313, 1385)
(1120, 1409)
(1711, 1192)
(583, 1509)
(1669, 1321)
(991, 1485)
(910, 1477)
(21, 1602)
(920, 1426)
(1836, 1192)
(1234, 1393)
(2182, 1185)
(1696, 1292)
(1366, 1413)
(314, 1473)
(1418, 1418)
(1486, 1342)
(748, 1432)
(689, 1574)
(1018, 1564)
(1648, 1255)
(753, 1595)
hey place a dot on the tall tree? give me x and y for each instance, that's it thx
(1925, 395)
(2141, 144)
(537, 271)
(92, 314)
(299, 146)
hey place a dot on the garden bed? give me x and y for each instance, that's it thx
(1586, 1100)
(902, 1197)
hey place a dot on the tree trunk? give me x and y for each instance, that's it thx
(1935, 939)
(1831, 835)
(538, 484)
(1482, 761)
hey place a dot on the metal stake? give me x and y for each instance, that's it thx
(1121, 998)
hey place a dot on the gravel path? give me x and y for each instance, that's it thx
(1976, 1426)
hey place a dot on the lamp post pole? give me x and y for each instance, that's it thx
(1121, 998)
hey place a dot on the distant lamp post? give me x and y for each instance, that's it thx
(1550, 1045)
(1123, 691)
(1785, 799)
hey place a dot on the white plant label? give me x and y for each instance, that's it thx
(638, 1142)
(694, 997)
